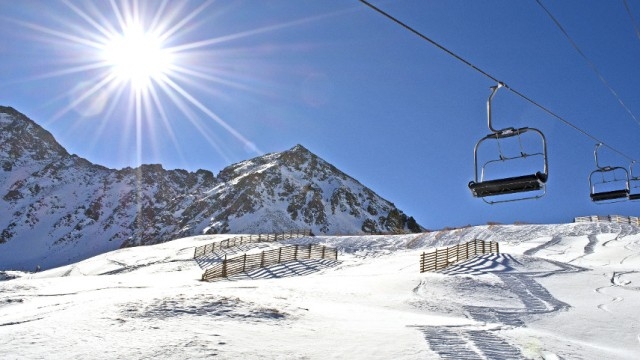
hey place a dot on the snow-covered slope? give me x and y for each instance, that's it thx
(57, 208)
(565, 291)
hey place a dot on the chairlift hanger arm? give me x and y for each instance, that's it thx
(631, 176)
(501, 133)
(595, 155)
(494, 90)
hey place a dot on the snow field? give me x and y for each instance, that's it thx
(556, 292)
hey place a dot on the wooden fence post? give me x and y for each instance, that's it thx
(295, 253)
(244, 262)
(467, 249)
(323, 249)
(279, 254)
(309, 251)
(224, 266)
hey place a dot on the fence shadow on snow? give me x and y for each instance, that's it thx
(248, 262)
(218, 256)
(288, 269)
(483, 264)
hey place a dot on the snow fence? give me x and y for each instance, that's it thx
(442, 258)
(240, 240)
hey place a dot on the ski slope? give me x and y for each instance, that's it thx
(567, 291)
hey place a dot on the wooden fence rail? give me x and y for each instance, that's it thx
(442, 258)
(248, 262)
(240, 240)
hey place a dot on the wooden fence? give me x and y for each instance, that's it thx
(248, 262)
(442, 258)
(633, 220)
(240, 240)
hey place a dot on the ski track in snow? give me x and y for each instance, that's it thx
(467, 344)
(616, 283)
(472, 343)
(554, 241)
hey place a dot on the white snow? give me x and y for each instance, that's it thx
(566, 291)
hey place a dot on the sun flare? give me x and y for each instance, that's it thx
(145, 62)
(137, 56)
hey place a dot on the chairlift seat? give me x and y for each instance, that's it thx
(507, 186)
(609, 195)
(634, 196)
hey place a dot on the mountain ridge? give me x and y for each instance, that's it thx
(60, 203)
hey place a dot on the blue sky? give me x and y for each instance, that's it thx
(386, 107)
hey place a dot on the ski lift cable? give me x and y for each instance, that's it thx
(633, 20)
(486, 74)
(589, 62)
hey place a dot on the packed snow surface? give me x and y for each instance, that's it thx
(566, 291)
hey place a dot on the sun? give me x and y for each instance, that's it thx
(146, 63)
(137, 57)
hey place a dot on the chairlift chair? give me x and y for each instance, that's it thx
(610, 194)
(634, 183)
(534, 184)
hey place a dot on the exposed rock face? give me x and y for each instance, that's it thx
(296, 188)
(61, 203)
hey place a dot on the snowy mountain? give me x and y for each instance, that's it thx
(567, 291)
(63, 208)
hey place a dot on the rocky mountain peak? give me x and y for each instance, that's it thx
(21, 137)
(66, 209)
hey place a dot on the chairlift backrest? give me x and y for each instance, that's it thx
(533, 183)
(617, 189)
